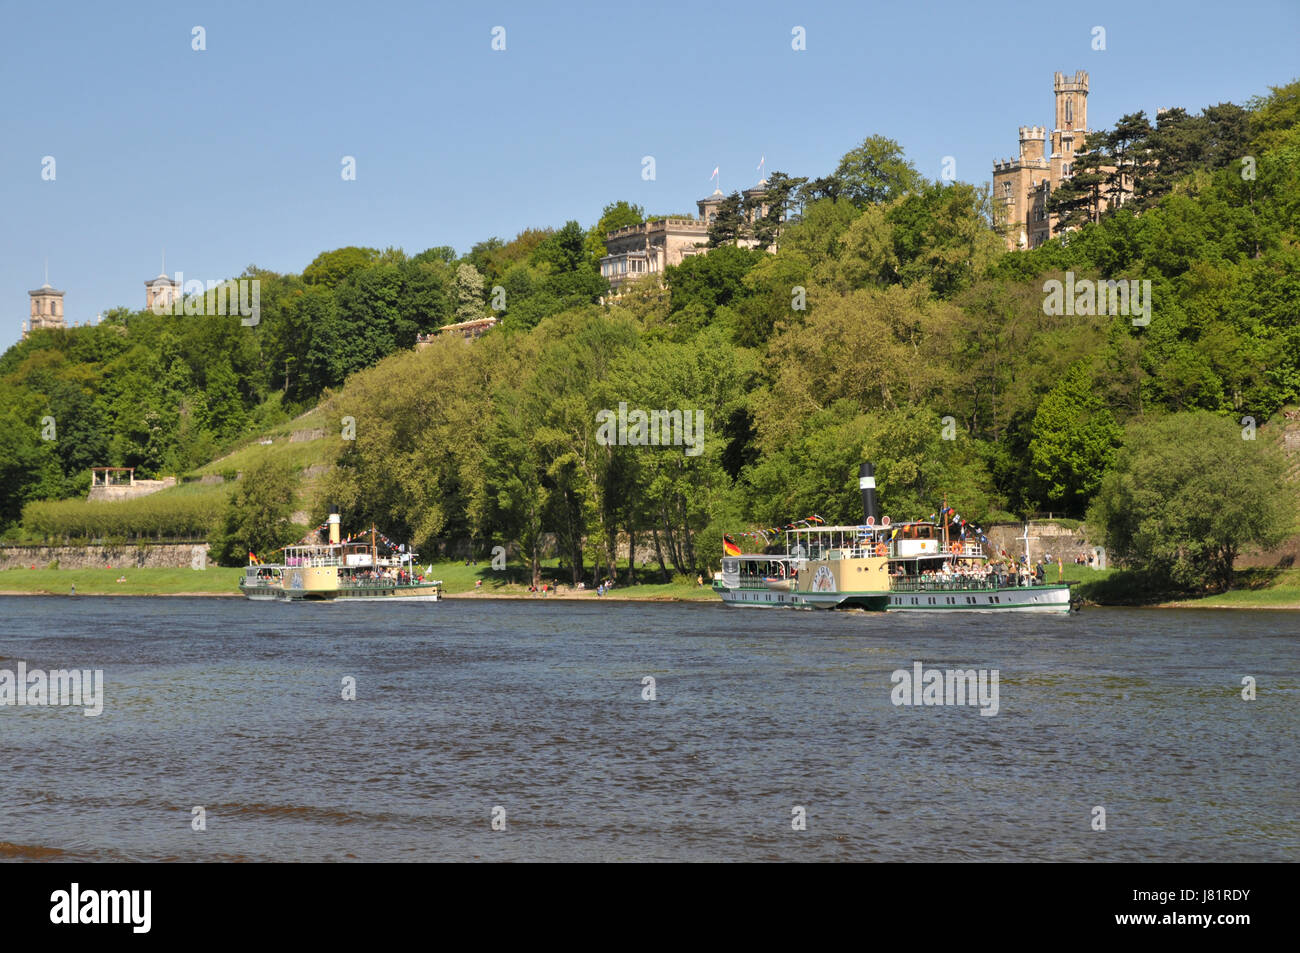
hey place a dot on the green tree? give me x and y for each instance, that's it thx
(1073, 439)
(257, 518)
(332, 268)
(469, 293)
(875, 171)
(616, 215)
(1077, 200)
(728, 223)
(1187, 494)
(1274, 116)
(1128, 146)
(778, 205)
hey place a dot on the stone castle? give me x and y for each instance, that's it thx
(1022, 186)
(653, 246)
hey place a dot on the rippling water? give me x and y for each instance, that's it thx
(537, 708)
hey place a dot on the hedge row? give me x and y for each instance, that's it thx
(148, 517)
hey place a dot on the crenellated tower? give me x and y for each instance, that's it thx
(1071, 121)
(1022, 186)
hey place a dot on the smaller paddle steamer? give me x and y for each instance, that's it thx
(341, 571)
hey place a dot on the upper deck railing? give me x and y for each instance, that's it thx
(892, 550)
(942, 582)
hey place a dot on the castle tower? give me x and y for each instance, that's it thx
(755, 199)
(1031, 143)
(47, 308)
(1071, 120)
(162, 290)
(709, 207)
(1022, 186)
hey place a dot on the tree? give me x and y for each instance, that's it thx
(1127, 144)
(257, 518)
(874, 172)
(1187, 494)
(710, 280)
(469, 293)
(1073, 438)
(443, 253)
(616, 215)
(1274, 116)
(777, 206)
(728, 223)
(1077, 200)
(563, 251)
(941, 235)
(332, 268)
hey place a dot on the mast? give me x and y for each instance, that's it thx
(1026, 537)
(374, 550)
(943, 514)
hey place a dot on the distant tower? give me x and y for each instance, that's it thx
(162, 290)
(47, 308)
(1023, 186)
(1071, 121)
(754, 198)
(709, 207)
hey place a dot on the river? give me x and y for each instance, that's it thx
(536, 715)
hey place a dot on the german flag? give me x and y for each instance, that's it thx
(252, 559)
(729, 546)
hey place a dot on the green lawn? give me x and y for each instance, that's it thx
(139, 582)
(1279, 589)
(456, 577)
(514, 580)
(1258, 589)
(1253, 589)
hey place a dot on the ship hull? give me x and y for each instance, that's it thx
(1007, 599)
(288, 595)
(280, 593)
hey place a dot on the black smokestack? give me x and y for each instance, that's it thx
(867, 483)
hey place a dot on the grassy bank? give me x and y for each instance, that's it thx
(137, 582)
(1256, 589)
(456, 576)
(1252, 589)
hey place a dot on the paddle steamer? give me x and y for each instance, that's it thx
(914, 566)
(341, 571)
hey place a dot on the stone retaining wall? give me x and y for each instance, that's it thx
(1060, 541)
(160, 556)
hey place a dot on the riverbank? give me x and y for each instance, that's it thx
(1254, 589)
(219, 581)
(1259, 589)
(212, 581)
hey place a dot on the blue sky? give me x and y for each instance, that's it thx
(232, 156)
